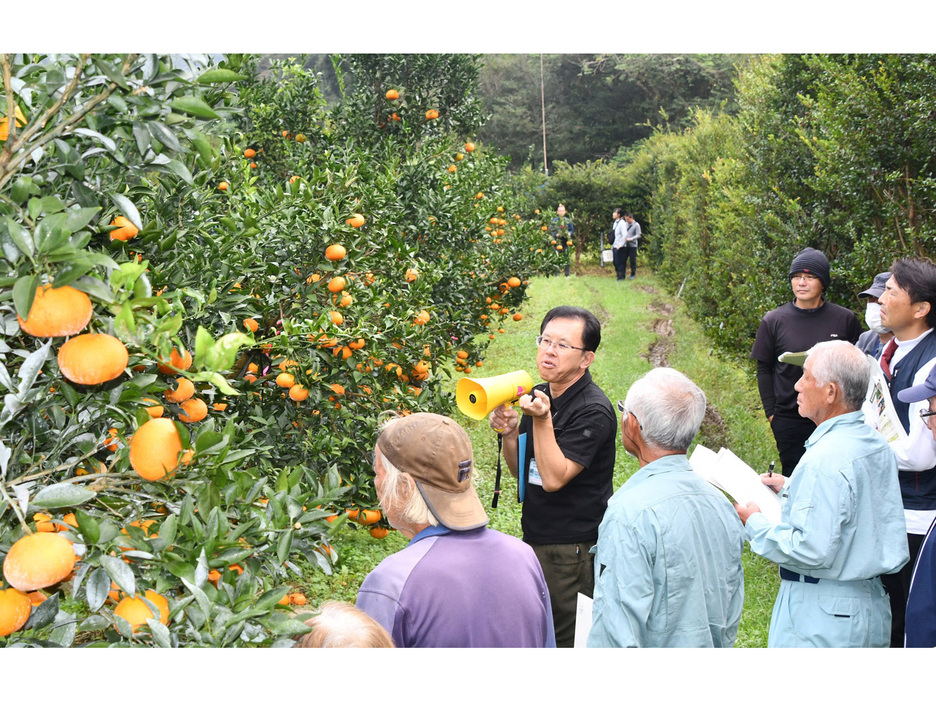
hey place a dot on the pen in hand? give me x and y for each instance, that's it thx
(770, 470)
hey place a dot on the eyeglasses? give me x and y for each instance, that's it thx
(804, 276)
(925, 415)
(544, 343)
(622, 409)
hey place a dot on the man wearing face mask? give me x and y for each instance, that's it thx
(872, 342)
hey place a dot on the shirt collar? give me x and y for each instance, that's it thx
(856, 417)
(674, 463)
(438, 530)
(573, 390)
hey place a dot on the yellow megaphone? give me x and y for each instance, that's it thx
(476, 398)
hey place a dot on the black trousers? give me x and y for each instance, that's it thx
(632, 257)
(620, 262)
(790, 434)
(898, 587)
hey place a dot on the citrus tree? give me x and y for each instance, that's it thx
(205, 315)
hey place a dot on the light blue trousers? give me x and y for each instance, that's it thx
(830, 614)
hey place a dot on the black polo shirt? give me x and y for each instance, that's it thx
(585, 426)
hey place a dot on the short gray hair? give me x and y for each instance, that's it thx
(669, 407)
(845, 365)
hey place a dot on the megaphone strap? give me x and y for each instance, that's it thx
(497, 477)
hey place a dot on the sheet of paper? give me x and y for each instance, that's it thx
(733, 476)
(583, 620)
(878, 406)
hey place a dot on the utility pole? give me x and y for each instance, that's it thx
(543, 99)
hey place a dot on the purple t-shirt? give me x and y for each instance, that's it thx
(461, 589)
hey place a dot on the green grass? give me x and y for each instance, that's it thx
(629, 312)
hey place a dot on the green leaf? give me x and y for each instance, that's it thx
(219, 75)
(21, 237)
(142, 136)
(96, 288)
(70, 272)
(24, 292)
(79, 217)
(120, 573)
(194, 106)
(111, 72)
(201, 145)
(128, 208)
(180, 170)
(284, 545)
(62, 495)
(97, 589)
(88, 526)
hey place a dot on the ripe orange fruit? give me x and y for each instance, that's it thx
(38, 560)
(297, 598)
(432, 114)
(369, 516)
(136, 611)
(285, 380)
(335, 252)
(175, 363)
(126, 229)
(185, 388)
(154, 409)
(44, 522)
(411, 275)
(223, 185)
(514, 282)
(298, 392)
(90, 359)
(358, 344)
(193, 410)
(5, 126)
(346, 300)
(253, 164)
(62, 311)
(301, 138)
(392, 94)
(251, 325)
(15, 608)
(517, 317)
(356, 220)
(379, 532)
(219, 406)
(249, 153)
(469, 147)
(336, 317)
(154, 449)
(422, 317)
(337, 388)
(336, 284)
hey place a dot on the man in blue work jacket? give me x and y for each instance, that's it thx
(841, 525)
(668, 559)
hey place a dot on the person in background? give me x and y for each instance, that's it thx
(920, 628)
(840, 527)
(908, 309)
(566, 470)
(457, 584)
(797, 326)
(873, 341)
(632, 239)
(619, 245)
(561, 229)
(668, 560)
(342, 625)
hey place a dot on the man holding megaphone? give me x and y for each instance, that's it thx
(562, 453)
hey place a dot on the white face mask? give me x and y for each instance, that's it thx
(873, 318)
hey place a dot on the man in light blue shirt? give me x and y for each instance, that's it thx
(841, 524)
(668, 558)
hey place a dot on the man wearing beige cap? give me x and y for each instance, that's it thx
(457, 584)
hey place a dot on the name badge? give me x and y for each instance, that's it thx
(535, 477)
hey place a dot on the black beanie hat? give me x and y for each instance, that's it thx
(809, 260)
